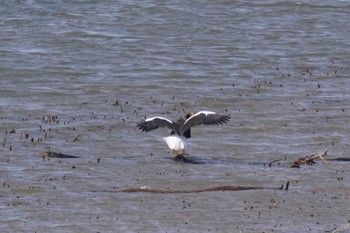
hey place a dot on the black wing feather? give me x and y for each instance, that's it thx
(206, 119)
(216, 119)
(149, 125)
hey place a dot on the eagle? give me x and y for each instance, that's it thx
(182, 127)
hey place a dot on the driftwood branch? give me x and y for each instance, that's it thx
(339, 229)
(309, 160)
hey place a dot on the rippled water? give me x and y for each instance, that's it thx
(279, 68)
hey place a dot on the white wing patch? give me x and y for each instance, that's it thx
(160, 118)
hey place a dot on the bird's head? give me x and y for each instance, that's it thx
(188, 115)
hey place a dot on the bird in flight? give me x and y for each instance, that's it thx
(182, 127)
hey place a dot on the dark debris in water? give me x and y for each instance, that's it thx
(50, 154)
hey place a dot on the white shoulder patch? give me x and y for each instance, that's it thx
(198, 113)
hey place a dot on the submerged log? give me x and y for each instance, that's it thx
(212, 189)
(341, 159)
(146, 189)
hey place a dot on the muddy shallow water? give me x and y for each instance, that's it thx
(77, 77)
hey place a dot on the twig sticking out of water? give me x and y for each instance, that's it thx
(118, 104)
(285, 187)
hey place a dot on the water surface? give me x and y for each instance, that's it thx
(279, 68)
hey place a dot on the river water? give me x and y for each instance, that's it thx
(77, 76)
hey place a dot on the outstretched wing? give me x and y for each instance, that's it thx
(206, 118)
(153, 123)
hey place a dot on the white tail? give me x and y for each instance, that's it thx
(174, 143)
